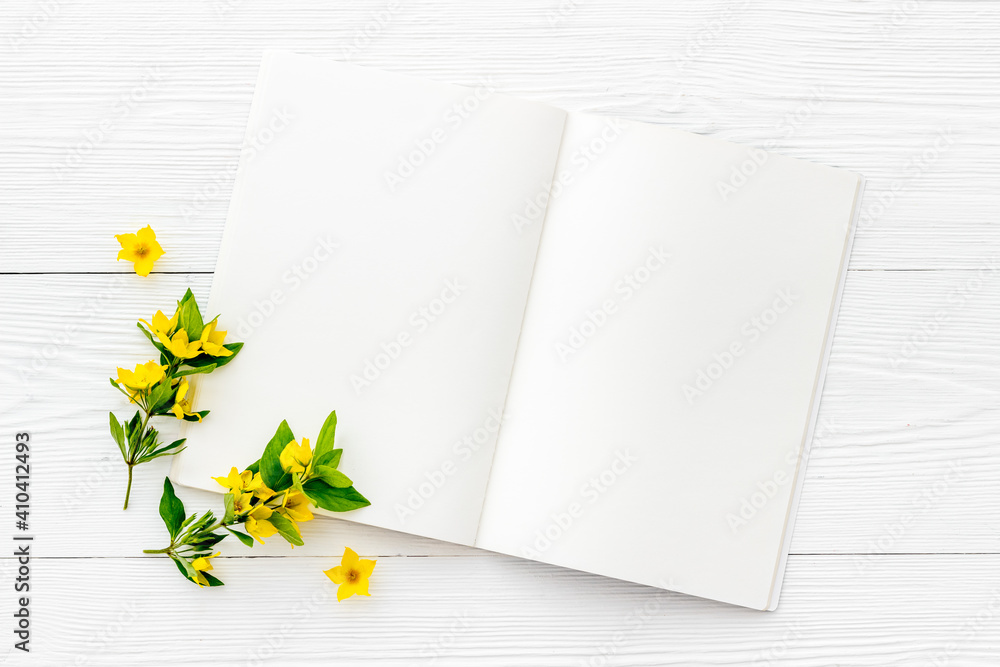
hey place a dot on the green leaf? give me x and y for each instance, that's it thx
(206, 540)
(297, 482)
(336, 500)
(118, 434)
(171, 509)
(218, 362)
(184, 566)
(333, 477)
(232, 347)
(242, 537)
(194, 371)
(324, 442)
(166, 450)
(212, 581)
(254, 467)
(149, 335)
(161, 394)
(284, 482)
(286, 529)
(194, 416)
(230, 502)
(189, 317)
(331, 459)
(133, 435)
(133, 424)
(270, 465)
(186, 522)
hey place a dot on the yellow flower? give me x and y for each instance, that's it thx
(257, 486)
(245, 482)
(241, 501)
(295, 457)
(211, 341)
(352, 575)
(235, 480)
(140, 248)
(161, 326)
(295, 506)
(179, 345)
(182, 407)
(257, 523)
(202, 564)
(142, 378)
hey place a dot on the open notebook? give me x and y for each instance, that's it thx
(590, 342)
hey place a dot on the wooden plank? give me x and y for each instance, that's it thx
(907, 430)
(433, 611)
(849, 84)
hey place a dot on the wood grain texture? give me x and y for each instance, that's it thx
(505, 611)
(908, 420)
(867, 86)
(114, 115)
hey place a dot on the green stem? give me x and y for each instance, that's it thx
(131, 464)
(128, 489)
(158, 551)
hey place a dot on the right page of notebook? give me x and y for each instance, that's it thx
(668, 360)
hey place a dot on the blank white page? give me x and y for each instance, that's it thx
(605, 463)
(369, 240)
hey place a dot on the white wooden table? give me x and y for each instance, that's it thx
(118, 114)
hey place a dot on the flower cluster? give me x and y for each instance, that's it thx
(187, 346)
(272, 496)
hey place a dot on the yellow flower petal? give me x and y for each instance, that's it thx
(295, 457)
(230, 481)
(352, 574)
(140, 248)
(336, 574)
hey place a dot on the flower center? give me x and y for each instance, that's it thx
(352, 575)
(141, 250)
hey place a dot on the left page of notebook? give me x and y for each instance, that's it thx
(373, 263)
